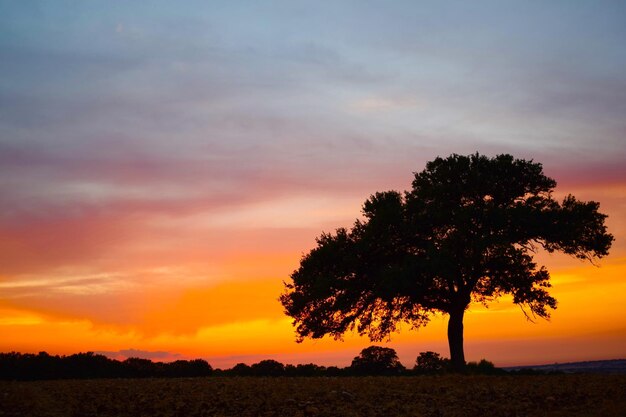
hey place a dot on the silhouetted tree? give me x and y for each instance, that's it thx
(334, 371)
(141, 368)
(309, 369)
(466, 231)
(431, 363)
(377, 360)
(27, 366)
(484, 367)
(183, 368)
(268, 367)
(240, 369)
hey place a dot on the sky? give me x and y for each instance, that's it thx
(164, 165)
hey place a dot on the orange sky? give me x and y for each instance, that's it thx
(183, 296)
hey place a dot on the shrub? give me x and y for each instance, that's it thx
(377, 360)
(431, 363)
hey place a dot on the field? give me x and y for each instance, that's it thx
(429, 396)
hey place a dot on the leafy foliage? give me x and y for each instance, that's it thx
(431, 363)
(268, 367)
(483, 367)
(377, 360)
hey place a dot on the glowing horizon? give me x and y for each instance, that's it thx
(163, 170)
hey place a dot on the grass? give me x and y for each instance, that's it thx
(428, 396)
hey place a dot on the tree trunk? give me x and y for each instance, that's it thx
(455, 339)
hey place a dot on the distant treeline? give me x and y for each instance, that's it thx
(372, 361)
(28, 366)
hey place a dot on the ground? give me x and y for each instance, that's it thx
(428, 396)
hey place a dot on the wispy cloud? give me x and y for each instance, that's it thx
(155, 356)
(383, 104)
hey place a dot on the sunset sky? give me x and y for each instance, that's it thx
(164, 165)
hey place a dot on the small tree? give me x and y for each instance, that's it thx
(484, 367)
(431, 363)
(267, 367)
(377, 360)
(466, 231)
(240, 369)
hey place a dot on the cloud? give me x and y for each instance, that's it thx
(228, 303)
(152, 307)
(383, 104)
(155, 356)
(24, 286)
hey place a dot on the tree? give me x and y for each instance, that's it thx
(377, 360)
(430, 363)
(183, 368)
(484, 367)
(466, 231)
(241, 369)
(267, 367)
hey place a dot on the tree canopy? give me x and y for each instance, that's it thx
(377, 360)
(430, 363)
(466, 231)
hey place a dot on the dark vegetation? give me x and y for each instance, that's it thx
(372, 361)
(27, 366)
(425, 396)
(467, 231)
